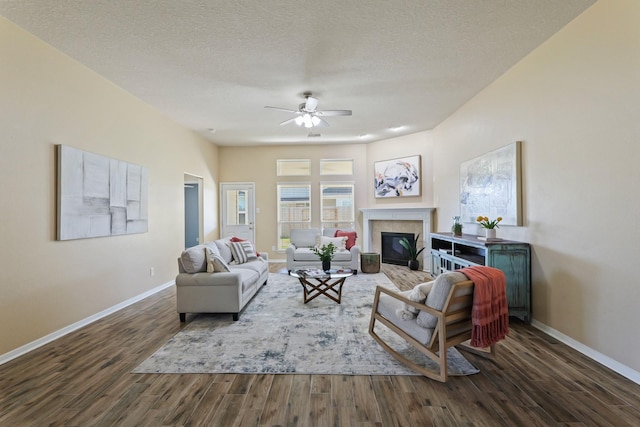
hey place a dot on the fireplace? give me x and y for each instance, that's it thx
(401, 214)
(392, 250)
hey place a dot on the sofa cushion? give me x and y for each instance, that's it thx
(338, 242)
(350, 235)
(223, 248)
(194, 259)
(215, 263)
(243, 251)
(437, 297)
(259, 266)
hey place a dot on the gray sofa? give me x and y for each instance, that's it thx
(299, 253)
(199, 291)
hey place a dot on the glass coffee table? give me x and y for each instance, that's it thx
(316, 282)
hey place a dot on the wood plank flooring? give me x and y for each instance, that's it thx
(85, 379)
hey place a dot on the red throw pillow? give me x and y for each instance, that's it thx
(351, 237)
(237, 239)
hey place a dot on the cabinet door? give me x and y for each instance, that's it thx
(514, 262)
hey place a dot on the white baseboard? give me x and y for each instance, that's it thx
(614, 365)
(4, 358)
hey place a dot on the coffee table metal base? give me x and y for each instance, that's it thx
(327, 286)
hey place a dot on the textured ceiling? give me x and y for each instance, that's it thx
(216, 64)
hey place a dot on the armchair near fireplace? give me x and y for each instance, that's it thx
(299, 253)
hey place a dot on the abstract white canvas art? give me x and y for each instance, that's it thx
(490, 186)
(99, 196)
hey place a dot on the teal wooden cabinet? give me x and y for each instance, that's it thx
(450, 253)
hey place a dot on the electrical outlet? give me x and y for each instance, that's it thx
(273, 248)
(152, 272)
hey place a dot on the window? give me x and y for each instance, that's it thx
(294, 167)
(336, 167)
(294, 210)
(337, 205)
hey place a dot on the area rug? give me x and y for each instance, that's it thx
(278, 333)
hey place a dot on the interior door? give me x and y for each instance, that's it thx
(237, 210)
(191, 215)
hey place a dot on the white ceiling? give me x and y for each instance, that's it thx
(216, 64)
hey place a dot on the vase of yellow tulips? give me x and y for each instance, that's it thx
(489, 226)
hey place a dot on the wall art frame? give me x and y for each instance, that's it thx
(491, 186)
(99, 196)
(397, 177)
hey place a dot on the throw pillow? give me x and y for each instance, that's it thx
(193, 259)
(437, 297)
(408, 312)
(243, 252)
(338, 242)
(237, 239)
(215, 263)
(350, 235)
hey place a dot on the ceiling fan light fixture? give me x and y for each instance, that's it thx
(315, 121)
(299, 120)
(308, 120)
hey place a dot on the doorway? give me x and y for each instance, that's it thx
(192, 210)
(237, 212)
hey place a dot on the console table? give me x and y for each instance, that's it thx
(450, 253)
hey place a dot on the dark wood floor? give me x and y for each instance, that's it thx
(85, 379)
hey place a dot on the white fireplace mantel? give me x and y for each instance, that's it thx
(398, 214)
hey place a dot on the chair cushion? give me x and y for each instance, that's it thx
(343, 255)
(350, 235)
(437, 297)
(387, 306)
(304, 237)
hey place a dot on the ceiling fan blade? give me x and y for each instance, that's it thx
(286, 122)
(282, 109)
(330, 113)
(311, 104)
(322, 123)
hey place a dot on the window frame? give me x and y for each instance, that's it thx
(288, 223)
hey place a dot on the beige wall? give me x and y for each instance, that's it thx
(47, 99)
(403, 146)
(574, 103)
(258, 164)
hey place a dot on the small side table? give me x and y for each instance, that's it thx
(370, 262)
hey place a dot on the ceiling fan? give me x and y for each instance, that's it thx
(307, 114)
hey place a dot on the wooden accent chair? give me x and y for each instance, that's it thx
(447, 307)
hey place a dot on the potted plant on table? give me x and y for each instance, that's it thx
(325, 252)
(489, 225)
(456, 228)
(412, 248)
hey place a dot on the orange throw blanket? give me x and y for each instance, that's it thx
(490, 313)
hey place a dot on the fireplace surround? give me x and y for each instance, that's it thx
(369, 215)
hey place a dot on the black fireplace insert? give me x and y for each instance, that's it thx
(392, 250)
